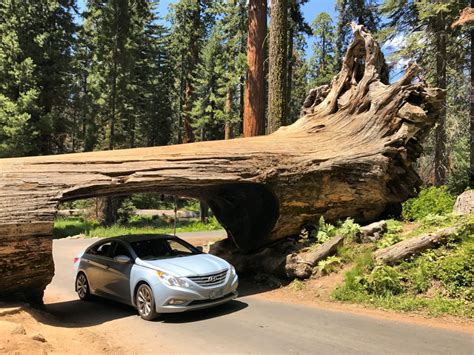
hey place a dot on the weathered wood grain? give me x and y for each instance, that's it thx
(351, 155)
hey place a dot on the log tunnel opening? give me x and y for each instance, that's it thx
(247, 211)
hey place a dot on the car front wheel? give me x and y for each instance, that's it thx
(82, 287)
(146, 302)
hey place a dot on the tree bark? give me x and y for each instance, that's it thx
(278, 68)
(397, 252)
(188, 134)
(228, 128)
(441, 155)
(467, 17)
(471, 112)
(254, 100)
(351, 155)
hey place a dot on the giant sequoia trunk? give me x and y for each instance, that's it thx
(351, 155)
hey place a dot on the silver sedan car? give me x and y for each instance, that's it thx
(155, 274)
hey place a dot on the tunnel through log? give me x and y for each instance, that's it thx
(350, 155)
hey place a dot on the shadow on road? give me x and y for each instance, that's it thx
(249, 286)
(78, 314)
(203, 314)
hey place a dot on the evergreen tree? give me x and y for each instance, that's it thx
(207, 90)
(296, 27)
(233, 65)
(36, 40)
(128, 74)
(441, 52)
(299, 80)
(322, 61)
(190, 23)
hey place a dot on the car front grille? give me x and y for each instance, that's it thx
(210, 279)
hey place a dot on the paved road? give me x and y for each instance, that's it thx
(247, 325)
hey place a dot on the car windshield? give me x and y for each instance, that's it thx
(162, 248)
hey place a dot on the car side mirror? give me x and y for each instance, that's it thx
(123, 259)
(200, 248)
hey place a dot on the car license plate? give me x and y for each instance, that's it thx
(215, 294)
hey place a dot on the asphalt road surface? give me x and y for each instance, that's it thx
(246, 325)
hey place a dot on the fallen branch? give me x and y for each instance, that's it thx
(302, 268)
(409, 247)
(371, 232)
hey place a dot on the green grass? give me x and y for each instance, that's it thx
(65, 227)
(436, 282)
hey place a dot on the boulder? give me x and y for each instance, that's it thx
(464, 203)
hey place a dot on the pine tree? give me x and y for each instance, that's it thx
(278, 67)
(190, 22)
(441, 52)
(233, 64)
(207, 90)
(36, 39)
(322, 61)
(299, 80)
(296, 27)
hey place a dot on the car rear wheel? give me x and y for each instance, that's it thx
(82, 287)
(145, 302)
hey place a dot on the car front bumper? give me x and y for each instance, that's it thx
(198, 304)
(195, 297)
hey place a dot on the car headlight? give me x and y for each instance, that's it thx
(232, 271)
(171, 280)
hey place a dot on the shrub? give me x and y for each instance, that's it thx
(329, 264)
(420, 275)
(388, 240)
(125, 212)
(297, 285)
(456, 273)
(433, 200)
(383, 280)
(348, 228)
(325, 231)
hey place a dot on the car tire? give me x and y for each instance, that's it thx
(145, 302)
(82, 287)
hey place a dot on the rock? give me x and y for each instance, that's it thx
(371, 232)
(464, 203)
(39, 337)
(12, 328)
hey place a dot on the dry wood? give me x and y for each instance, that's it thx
(371, 232)
(302, 266)
(351, 155)
(412, 246)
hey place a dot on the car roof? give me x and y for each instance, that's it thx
(137, 237)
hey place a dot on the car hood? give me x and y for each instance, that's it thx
(193, 265)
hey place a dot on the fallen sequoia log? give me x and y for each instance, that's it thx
(406, 248)
(350, 155)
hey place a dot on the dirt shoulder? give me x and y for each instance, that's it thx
(25, 330)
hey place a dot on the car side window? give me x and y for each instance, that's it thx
(104, 249)
(120, 249)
